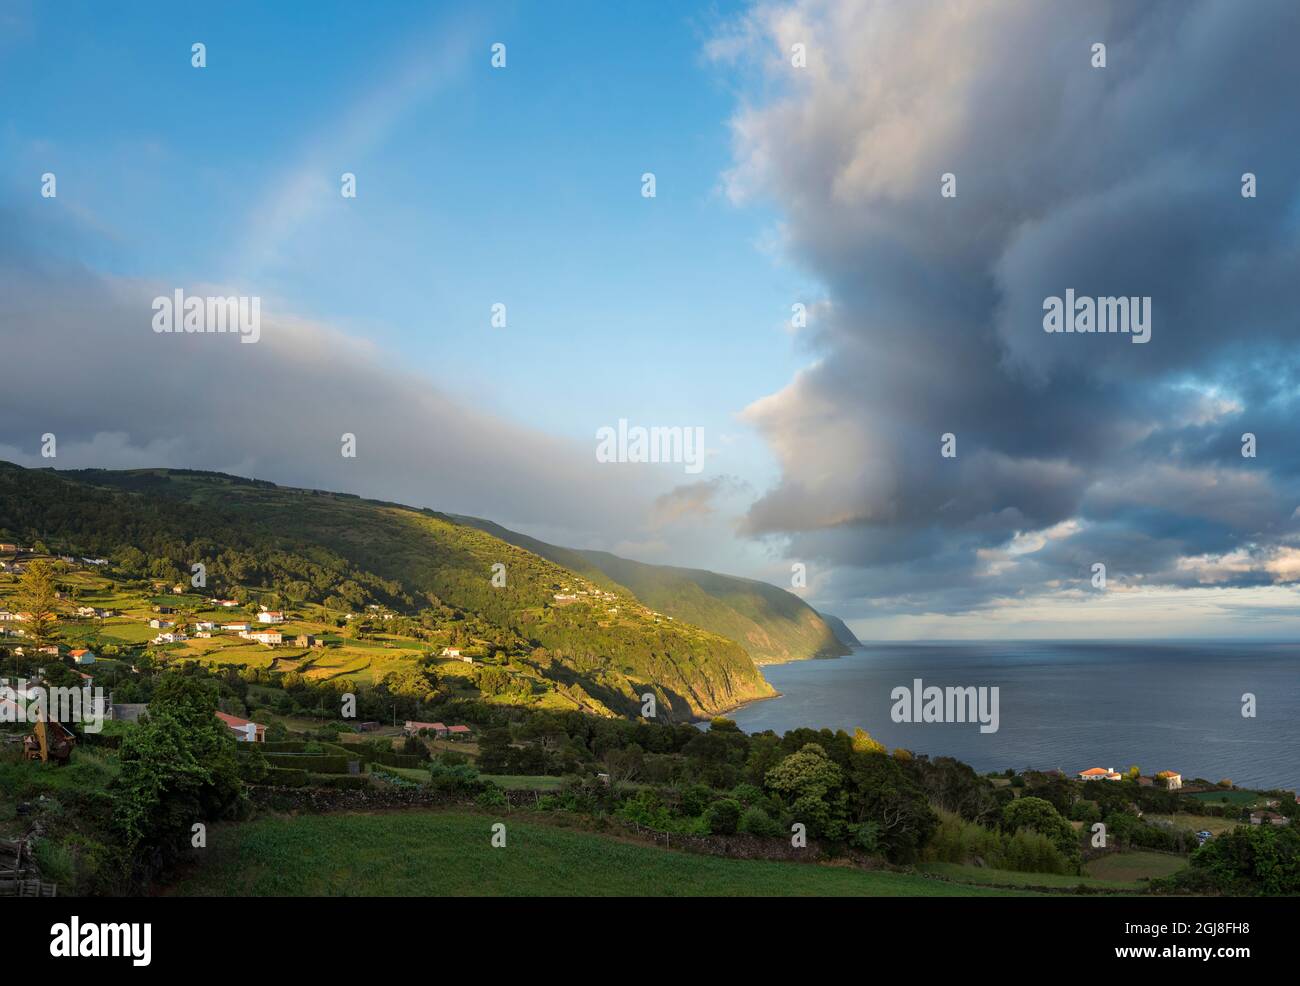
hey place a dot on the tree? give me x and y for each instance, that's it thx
(863, 742)
(178, 766)
(1040, 816)
(809, 783)
(36, 596)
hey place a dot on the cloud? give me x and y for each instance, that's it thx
(83, 363)
(1123, 180)
(690, 500)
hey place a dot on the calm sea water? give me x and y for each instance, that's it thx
(1163, 706)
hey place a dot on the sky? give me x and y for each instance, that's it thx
(776, 184)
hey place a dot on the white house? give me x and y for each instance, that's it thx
(1100, 774)
(1171, 779)
(270, 616)
(267, 637)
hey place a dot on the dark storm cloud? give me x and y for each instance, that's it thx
(1123, 180)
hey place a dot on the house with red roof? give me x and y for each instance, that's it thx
(413, 728)
(245, 730)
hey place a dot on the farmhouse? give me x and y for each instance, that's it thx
(270, 616)
(268, 637)
(205, 625)
(1170, 779)
(157, 624)
(1267, 818)
(169, 638)
(224, 603)
(82, 656)
(458, 732)
(235, 626)
(308, 640)
(245, 730)
(415, 728)
(1100, 774)
(88, 611)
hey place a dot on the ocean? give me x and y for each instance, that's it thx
(1071, 705)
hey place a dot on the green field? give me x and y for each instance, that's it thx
(982, 875)
(443, 854)
(1134, 866)
(1195, 823)
(1242, 799)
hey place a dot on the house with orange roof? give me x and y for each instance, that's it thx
(1170, 779)
(1100, 774)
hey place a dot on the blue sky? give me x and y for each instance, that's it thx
(475, 186)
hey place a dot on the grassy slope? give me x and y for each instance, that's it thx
(772, 624)
(614, 657)
(420, 853)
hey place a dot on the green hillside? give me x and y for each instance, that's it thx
(841, 630)
(292, 547)
(772, 624)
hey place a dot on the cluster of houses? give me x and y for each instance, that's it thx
(568, 596)
(436, 729)
(1170, 779)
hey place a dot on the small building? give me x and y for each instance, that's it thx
(413, 728)
(235, 626)
(225, 603)
(1170, 779)
(458, 732)
(1100, 774)
(157, 624)
(1267, 818)
(128, 711)
(270, 616)
(268, 637)
(205, 625)
(245, 730)
(178, 589)
(164, 610)
(308, 640)
(8, 548)
(82, 655)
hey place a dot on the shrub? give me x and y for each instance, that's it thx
(491, 797)
(459, 778)
(722, 816)
(1032, 852)
(285, 777)
(755, 821)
